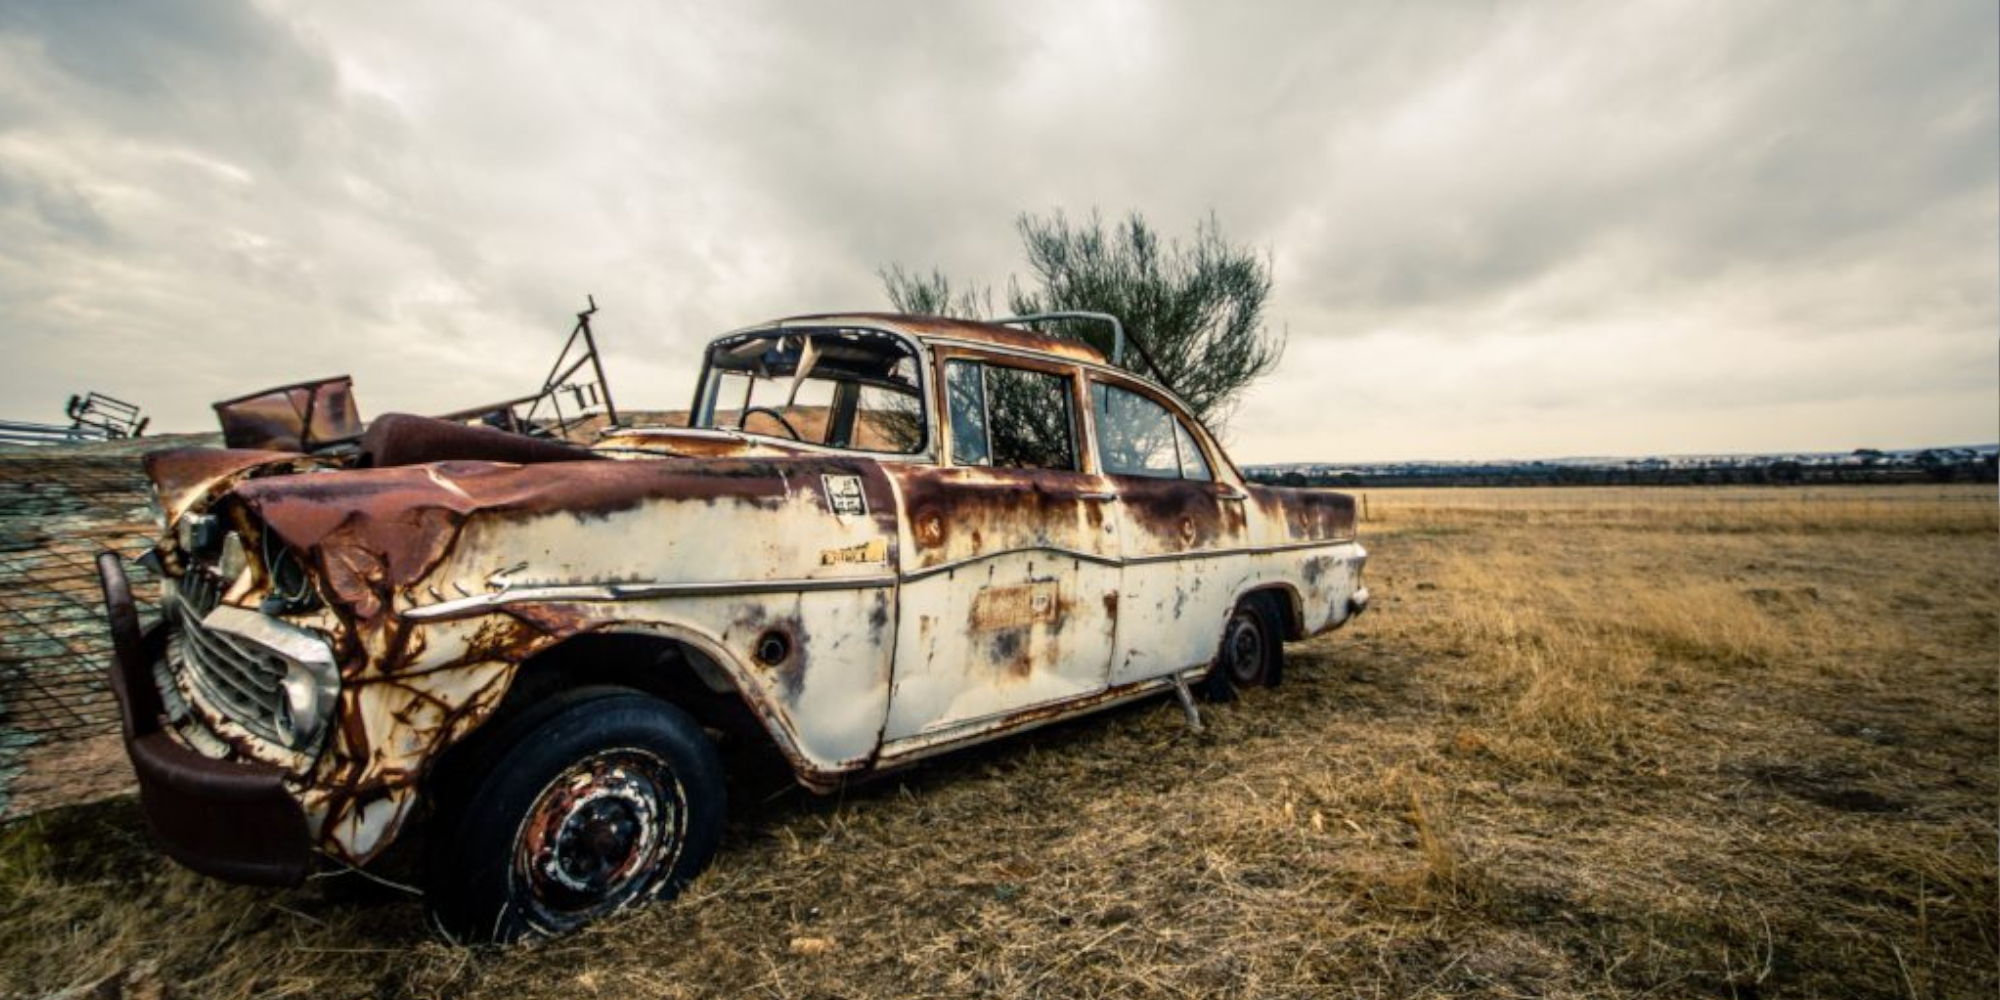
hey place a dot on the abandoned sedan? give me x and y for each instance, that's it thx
(877, 538)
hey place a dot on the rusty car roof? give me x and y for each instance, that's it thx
(941, 328)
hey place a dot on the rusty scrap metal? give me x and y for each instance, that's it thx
(95, 412)
(93, 416)
(305, 416)
(507, 414)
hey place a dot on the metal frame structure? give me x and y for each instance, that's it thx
(587, 394)
(1117, 337)
(93, 416)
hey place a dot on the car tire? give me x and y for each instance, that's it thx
(607, 800)
(1251, 653)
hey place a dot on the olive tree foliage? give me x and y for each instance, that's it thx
(1197, 307)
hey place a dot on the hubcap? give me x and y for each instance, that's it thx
(602, 834)
(1246, 650)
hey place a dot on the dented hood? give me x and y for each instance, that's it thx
(190, 478)
(374, 532)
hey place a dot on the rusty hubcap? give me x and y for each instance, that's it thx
(1244, 646)
(602, 834)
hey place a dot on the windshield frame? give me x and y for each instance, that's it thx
(701, 412)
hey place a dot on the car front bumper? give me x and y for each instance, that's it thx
(230, 819)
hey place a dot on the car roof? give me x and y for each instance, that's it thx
(928, 328)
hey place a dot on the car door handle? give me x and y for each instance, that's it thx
(1106, 497)
(1237, 497)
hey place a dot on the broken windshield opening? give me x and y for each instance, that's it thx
(842, 388)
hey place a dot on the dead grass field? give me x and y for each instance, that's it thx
(1621, 742)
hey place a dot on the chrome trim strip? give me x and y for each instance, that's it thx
(640, 591)
(930, 571)
(601, 593)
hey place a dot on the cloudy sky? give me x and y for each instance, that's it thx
(1498, 230)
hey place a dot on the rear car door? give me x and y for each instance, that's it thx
(1182, 531)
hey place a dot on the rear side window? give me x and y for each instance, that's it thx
(1009, 418)
(1138, 437)
(1193, 465)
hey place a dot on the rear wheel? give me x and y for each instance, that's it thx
(608, 801)
(1251, 652)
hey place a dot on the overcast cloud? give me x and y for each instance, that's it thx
(1499, 230)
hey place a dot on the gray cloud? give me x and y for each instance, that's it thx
(1520, 230)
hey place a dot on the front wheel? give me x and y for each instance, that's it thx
(610, 801)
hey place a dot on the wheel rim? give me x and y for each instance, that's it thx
(1244, 648)
(603, 833)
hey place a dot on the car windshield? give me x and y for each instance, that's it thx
(842, 388)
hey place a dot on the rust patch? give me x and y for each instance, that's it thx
(189, 478)
(930, 529)
(968, 512)
(1009, 650)
(1175, 516)
(1306, 515)
(878, 618)
(501, 637)
(1010, 607)
(984, 333)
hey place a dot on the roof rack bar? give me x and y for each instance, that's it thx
(1117, 328)
(1117, 339)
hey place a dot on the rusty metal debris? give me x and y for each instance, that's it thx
(92, 416)
(304, 416)
(321, 414)
(852, 551)
(524, 414)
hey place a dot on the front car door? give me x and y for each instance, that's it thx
(1009, 557)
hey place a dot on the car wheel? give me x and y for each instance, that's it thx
(1249, 654)
(612, 800)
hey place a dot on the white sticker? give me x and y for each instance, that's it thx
(843, 495)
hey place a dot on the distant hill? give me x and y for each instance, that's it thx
(1960, 463)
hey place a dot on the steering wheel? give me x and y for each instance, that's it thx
(744, 418)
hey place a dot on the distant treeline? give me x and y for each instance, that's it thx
(1922, 468)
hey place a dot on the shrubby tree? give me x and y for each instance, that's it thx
(1198, 307)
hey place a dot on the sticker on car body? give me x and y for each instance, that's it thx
(844, 497)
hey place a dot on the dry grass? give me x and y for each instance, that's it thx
(1678, 742)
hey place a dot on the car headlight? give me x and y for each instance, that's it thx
(304, 704)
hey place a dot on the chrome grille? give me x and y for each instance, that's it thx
(240, 679)
(200, 588)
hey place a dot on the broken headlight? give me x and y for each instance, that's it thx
(291, 588)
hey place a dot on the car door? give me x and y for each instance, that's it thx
(1009, 564)
(1181, 529)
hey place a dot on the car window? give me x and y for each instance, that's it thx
(886, 421)
(1009, 417)
(1138, 437)
(965, 400)
(842, 388)
(1193, 465)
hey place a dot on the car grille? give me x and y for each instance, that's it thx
(239, 679)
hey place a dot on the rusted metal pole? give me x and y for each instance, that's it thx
(597, 363)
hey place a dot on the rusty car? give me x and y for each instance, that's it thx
(875, 538)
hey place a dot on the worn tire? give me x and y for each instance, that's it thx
(1251, 653)
(604, 801)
